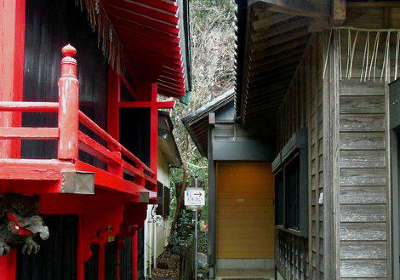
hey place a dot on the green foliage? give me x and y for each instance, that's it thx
(212, 49)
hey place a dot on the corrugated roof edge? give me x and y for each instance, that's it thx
(241, 26)
(184, 14)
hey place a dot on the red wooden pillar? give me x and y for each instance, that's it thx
(8, 265)
(135, 266)
(12, 47)
(80, 269)
(102, 261)
(68, 118)
(154, 130)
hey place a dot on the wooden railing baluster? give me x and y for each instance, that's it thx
(68, 120)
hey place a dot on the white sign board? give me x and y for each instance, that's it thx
(195, 198)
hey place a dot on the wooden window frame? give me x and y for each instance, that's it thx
(297, 147)
(163, 200)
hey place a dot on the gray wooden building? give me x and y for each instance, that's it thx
(316, 90)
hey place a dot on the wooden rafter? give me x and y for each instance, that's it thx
(338, 12)
(311, 9)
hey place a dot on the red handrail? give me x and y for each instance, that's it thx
(85, 120)
(70, 138)
(14, 106)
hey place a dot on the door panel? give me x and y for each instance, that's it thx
(245, 210)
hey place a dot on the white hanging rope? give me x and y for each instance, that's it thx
(340, 55)
(397, 55)
(365, 58)
(371, 53)
(366, 29)
(388, 59)
(374, 56)
(348, 52)
(352, 56)
(327, 53)
(384, 64)
(366, 64)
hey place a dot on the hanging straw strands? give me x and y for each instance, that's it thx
(374, 56)
(364, 68)
(397, 54)
(379, 38)
(107, 37)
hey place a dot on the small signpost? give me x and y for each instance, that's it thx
(195, 199)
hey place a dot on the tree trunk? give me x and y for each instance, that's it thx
(180, 202)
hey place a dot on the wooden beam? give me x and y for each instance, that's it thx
(17, 106)
(275, 72)
(311, 9)
(279, 40)
(274, 31)
(338, 12)
(317, 25)
(32, 169)
(147, 104)
(45, 133)
(382, 4)
(277, 58)
(282, 76)
(289, 46)
(266, 22)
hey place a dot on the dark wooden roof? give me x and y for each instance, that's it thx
(271, 40)
(197, 124)
(155, 36)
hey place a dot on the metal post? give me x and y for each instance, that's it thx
(195, 245)
(195, 236)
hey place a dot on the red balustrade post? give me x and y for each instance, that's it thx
(138, 179)
(116, 169)
(68, 118)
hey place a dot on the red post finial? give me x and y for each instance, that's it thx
(68, 50)
(68, 120)
(68, 63)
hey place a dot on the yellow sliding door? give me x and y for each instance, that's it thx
(245, 210)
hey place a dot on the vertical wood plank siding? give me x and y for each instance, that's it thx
(363, 221)
(296, 257)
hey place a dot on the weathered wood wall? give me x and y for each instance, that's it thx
(299, 258)
(363, 183)
(361, 152)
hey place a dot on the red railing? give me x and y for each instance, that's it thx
(70, 138)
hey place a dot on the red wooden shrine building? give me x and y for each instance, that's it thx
(78, 127)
